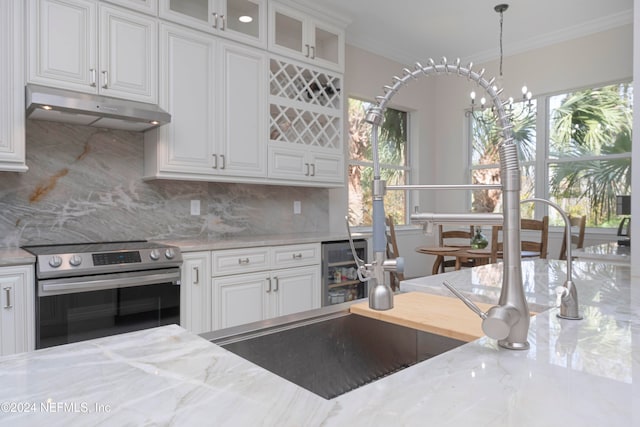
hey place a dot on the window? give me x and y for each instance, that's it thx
(584, 162)
(485, 159)
(394, 162)
(589, 159)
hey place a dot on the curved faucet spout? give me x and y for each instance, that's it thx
(567, 294)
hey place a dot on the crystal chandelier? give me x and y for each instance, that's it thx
(526, 93)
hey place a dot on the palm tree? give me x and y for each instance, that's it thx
(392, 141)
(486, 136)
(587, 124)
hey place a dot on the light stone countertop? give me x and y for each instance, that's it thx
(15, 256)
(237, 242)
(605, 252)
(576, 373)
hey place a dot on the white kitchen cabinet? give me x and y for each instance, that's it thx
(241, 20)
(149, 7)
(95, 48)
(305, 124)
(195, 292)
(288, 283)
(305, 165)
(12, 132)
(17, 299)
(215, 91)
(300, 35)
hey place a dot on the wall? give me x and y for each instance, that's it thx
(84, 184)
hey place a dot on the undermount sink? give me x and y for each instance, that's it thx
(332, 356)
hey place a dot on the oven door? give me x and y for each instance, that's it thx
(81, 308)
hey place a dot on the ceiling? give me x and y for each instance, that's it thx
(413, 30)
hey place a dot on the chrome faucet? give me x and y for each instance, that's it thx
(508, 322)
(568, 293)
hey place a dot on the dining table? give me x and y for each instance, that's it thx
(461, 254)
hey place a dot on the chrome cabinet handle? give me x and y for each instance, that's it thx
(224, 23)
(196, 273)
(313, 52)
(215, 161)
(277, 284)
(297, 256)
(224, 164)
(7, 304)
(313, 169)
(105, 76)
(215, 20)
(307, 54)
(92, 71)
(307, 172)
(243, 261)
(269, 284)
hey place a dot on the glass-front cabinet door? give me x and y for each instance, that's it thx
(243, 20)
(297, 34)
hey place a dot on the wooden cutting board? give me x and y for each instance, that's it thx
(447, 316)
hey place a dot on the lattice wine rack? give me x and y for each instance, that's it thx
(305, 105)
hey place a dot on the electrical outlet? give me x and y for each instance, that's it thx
(297, 207)
(195, 207)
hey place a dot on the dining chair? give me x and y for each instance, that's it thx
(392, 252)
(441, 263)
(528, 248)
(577, 240)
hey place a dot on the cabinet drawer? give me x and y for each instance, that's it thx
(234, 261)
(295, 255)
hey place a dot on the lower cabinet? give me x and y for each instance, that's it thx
(225, 288)
(17, 315)
(245, 298)
(195, 292)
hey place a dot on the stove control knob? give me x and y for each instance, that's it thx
(170, 253)
(75, 260)
(154, 254)
(55, 261)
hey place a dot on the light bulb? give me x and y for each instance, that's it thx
(473, 96)
(524, 90)
(245, 19)
(482, 101)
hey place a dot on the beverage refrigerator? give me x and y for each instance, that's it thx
(340, 281)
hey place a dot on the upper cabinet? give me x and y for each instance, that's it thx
(96, 48)
(145, 6)
(215, 90)
(305, 37)
(242, 20)
(12, 137)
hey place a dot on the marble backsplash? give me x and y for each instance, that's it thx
(85, 184)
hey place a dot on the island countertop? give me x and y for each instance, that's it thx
(576, 373)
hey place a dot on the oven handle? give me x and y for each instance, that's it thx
(96, 283)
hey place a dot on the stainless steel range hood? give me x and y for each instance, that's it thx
(59, 105)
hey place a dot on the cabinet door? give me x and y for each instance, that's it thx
(287, 31)
(242, 148)
(327, 47)
(12, 136)
(244, 20)
(128, 55)
(196, 14)
(17, 317)
(288, 163)
(146, 6)
(241, 299)
(327, 167)
(62, 44)
(296, 290)
(187, 72)
(195, 292)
